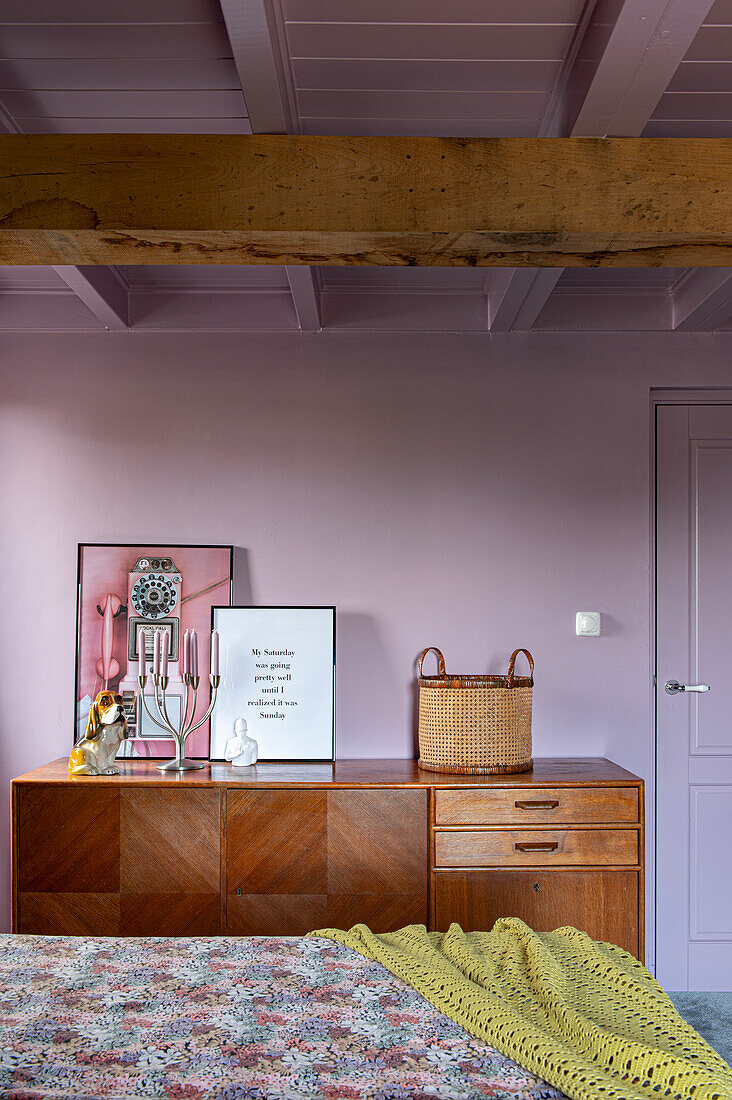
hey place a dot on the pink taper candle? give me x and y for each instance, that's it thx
(141, 662)
(164, 655)
(214, 652)
(186, 653)
(194, 653)
(156, 653)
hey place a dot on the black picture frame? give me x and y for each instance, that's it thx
(313, 759)
(139, 546)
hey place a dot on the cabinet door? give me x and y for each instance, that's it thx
(170, 862)
(298, 860)
(276, 862)
(67, 850)
(377, 858)
(602, 903)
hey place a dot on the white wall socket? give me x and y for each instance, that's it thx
(588, 624)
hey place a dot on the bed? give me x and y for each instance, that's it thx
(231, 1019)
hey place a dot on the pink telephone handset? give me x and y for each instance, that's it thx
(107, 665)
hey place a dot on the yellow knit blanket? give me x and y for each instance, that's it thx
(585, 1016)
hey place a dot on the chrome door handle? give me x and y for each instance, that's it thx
(673, 687)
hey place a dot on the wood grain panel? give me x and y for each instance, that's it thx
(275, 914)
(552, 771)
(60, 914)
(68, 839)
(381, 912)
(568, 806)
(291, 199)
(170, 915)
(377, 842)
(536, 848)
(170, 841)
(276, 842)
(602, 903)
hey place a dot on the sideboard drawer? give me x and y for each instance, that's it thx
(532, 806)
(605, 904)
(536, 848)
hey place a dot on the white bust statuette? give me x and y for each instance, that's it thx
(241, 749)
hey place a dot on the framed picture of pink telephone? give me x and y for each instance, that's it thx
(125, 594)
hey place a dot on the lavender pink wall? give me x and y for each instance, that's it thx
(471, 492)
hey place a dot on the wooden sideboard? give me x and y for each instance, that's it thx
(282, 849)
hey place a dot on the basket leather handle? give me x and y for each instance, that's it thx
(512, 662)
(438, 655)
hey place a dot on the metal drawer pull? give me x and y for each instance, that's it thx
(537, 846)
(548, 805)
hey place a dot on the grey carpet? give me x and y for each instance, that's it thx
(711, 1015)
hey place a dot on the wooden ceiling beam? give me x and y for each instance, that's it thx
(175, 198)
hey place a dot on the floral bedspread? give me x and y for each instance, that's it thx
(230, 1019)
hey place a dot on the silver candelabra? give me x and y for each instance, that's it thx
(185, 727)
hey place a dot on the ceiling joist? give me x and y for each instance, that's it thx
(250, 36)
(704, 301)
(305, 290)
(619, 65)
(625, 64)
(515, 299)
(123, 199)
(102, 292)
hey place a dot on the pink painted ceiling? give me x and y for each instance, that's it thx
(443, 67)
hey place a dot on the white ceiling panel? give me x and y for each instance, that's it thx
(122, 40)
(620, 278)
(422, 76)
(118, 74)
(438, 105)
(30, 278)
(421, 127)
(464, 41)
(433, 11)
(204, 277)
(449, 279)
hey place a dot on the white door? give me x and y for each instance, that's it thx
(694, 726)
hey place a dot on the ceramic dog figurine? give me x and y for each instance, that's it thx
(106, 729)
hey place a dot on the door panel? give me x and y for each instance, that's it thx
(377, 841)
(602, 903)
(169, 842)
(300, 860)
(275, 914)
(68, 839)
(381, 912)
(58, 914)
(693, 731)
(711, 487)
(276, 842)
(711, 891)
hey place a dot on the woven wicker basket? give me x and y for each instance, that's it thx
(477, 725)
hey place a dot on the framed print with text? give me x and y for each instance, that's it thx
(277, 672)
